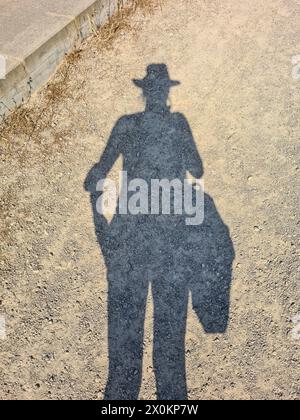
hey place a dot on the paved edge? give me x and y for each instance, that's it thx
(25, 77)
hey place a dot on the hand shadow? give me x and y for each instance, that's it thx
(161, 250)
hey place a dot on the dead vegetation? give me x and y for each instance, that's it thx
(28, 123)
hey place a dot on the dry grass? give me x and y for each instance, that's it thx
(28, 123)
(120, 21)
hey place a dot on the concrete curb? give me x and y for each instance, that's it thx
(25, 75)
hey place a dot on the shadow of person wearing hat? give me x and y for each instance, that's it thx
(158, 249)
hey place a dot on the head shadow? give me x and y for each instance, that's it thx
(160, 250)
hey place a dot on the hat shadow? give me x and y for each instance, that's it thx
(157, 76)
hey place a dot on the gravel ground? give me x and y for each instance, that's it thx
(237, 93)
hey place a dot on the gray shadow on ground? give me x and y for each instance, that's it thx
(160, 250)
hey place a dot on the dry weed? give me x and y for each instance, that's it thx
(28, 123)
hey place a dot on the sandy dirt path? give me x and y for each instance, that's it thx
(233, 59)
